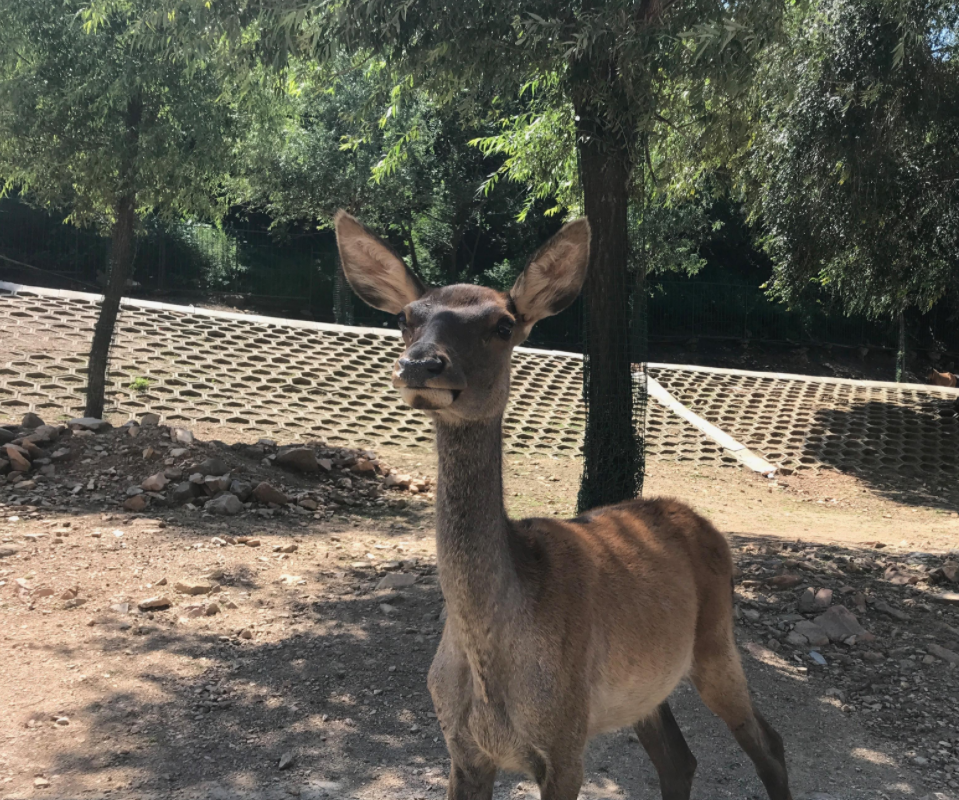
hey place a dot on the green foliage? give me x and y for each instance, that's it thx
(854, 175)
(140, 384)
(87, 114)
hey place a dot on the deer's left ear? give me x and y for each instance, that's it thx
(375, 272)
(554, 276)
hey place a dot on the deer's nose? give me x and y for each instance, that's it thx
(417, 371)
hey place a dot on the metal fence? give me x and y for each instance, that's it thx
(297, 275)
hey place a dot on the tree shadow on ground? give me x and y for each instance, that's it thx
(908, 455)
(341, 687)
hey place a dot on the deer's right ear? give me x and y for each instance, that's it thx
(375, 272)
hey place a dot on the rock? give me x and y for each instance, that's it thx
(17, 457)
(193, 587)
(212, 610)
(90, 424)
(751, 614)
(7, 550)
(214, 484)
(812, 633)
(179, 452)
(183, 493)
(227, 505)
(121, 608)
(292, 580)
(362, 466)
(63, 721)
(399, 481)
(302, 459)
(839, 623)
(45, 434)
(947, 597)
(945, 654)
(308, 503)
(155, 483)
(212, 466)
(286, 548)
(286, 760)
(823, 599)
(133, 430)
(797, 639)
(6, 435)
(150, 420)
(325, 464)
(246, 633)
(151, 603)
(242, 489)
(182, 435)
(31, 420)
(785, 581)
(396, 580)
(266, 493)
(387, 609)
(884, 608)
(41, 783)
(252, 542)
(817, 658)
(807, 602)
(136, 503)
(873, 657)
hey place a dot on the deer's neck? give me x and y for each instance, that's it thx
(472, 529)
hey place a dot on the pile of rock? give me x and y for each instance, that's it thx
(184, 473)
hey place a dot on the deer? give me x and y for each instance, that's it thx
(556, 630)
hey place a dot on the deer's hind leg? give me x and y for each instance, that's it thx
(718, 677)
(660, 736)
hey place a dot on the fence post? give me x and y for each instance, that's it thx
(901, 355)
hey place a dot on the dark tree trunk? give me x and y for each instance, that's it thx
(612, 446)
(123, 248)
(901, 351)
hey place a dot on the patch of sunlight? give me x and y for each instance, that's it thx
(872, 756)
(604, 789)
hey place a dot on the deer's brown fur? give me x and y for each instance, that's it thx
(557, 629)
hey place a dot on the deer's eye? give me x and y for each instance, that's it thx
(401, 320)
(505, 331)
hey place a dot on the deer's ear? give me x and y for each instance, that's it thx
(554, 276)
(375, 272)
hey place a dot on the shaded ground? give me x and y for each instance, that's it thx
(162, 704)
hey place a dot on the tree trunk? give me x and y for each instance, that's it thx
(123, 247)
(612, 447)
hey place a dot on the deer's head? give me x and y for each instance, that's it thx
(459, 338)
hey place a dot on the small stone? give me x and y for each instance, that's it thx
(751, 614)
(226, 504)
(90, 424)
(266, 493)
(812, 633)
(149, 454)
(193, 587)
(839, 623)
(301, 459)
(17, 457)
(873, 657)
(161, 601)
(182, 435)
(69, 594)
(884, 608)
(44, 434)
(292, 580)
(136, 503)
(60, 453)
(286, 760)
(31, 420)
(149, 420)
(817, 658)
(945, 654)
(179, 452)
(41, 783)
(387, 609)
(251, 542)
(242, 490)
(396, 580)
(947, 597)
(308, 503)
(155, 483)
(212, 610)
(63, 721)
(785, 581)
(120, 608)
(399, 481)
(212, 466)
(246, 633)
(161, 582)
(133, 430)
(286, 548)
(7, 550)
(183, 493)
(325, 464)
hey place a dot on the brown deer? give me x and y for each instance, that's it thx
(557, 630)
(941, 378)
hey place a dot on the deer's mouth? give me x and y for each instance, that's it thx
(427, 399)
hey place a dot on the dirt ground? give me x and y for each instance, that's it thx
(310, 681)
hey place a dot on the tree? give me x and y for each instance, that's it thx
(854, 175)
(602, 71)
(98, 127)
